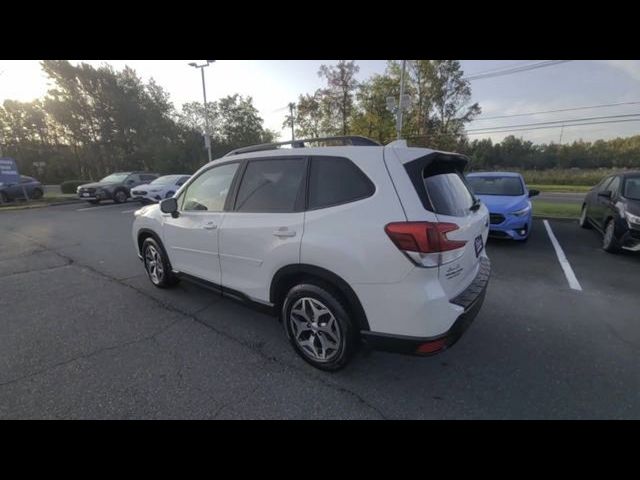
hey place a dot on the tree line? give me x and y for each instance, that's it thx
(436, 116)
(94, 121)
(512, 152)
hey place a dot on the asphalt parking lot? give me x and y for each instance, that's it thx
(84, 334)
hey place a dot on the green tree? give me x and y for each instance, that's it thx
(372, 118)
(337, 98)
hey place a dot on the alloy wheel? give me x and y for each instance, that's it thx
(153, 264)
(315, 329)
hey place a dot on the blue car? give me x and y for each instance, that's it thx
(507, 199)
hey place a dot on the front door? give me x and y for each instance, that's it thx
(191, 239)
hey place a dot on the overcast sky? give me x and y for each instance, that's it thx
(274, 83)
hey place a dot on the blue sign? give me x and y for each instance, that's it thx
(9, 171)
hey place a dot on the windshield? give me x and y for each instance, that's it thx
(508, 186)
(632, 188)
(115, 178)
(166, 179)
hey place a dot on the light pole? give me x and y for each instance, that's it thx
(207, 137)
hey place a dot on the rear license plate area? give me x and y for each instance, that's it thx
(479, 244)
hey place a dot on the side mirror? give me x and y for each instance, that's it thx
(169, 205)
(534, 193)
(605, 194)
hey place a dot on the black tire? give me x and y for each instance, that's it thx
(609, 241)
(120, 196)
(152, 253)
(320, 296)
(584, 222)
(37, 194)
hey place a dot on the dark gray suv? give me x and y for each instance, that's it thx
(116, 187)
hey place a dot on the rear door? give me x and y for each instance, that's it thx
(432, 188)
(262, 233)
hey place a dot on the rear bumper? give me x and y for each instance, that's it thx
(471, 299)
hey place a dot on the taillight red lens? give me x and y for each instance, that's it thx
(423, 237)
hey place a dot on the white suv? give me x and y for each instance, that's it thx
(347, 244)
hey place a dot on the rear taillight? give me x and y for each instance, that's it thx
(426, 243)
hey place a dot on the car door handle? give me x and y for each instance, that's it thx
(284, 233)
(210, 226)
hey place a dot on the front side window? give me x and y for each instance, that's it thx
(273, 185)
(209, 191)
(490, 185)
(604, 184)
(335, 180)
(614, 186)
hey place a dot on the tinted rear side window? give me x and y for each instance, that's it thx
(271, 185)
(448, 194)
(336, 180)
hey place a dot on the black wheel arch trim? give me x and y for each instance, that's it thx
(275, 294)
(147, 232)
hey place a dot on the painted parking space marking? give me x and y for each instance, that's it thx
(129, 211)
(564, 263)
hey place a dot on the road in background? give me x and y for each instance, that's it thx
(560, 197)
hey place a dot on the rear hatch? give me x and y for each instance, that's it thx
(433, 190)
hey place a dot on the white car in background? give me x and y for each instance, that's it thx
(161, 188)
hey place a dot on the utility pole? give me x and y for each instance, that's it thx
(401, 101)
(207, 136)
(561, 130)
(291, 107)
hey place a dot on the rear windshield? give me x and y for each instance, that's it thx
(508, 186)
(632, 188)
(449, 194)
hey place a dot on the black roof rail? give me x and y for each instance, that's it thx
(354, 140)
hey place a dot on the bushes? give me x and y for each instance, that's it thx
(561, 176)
(71, 186)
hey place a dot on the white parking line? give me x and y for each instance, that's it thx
(564, 263)
(129, 211)
(98, 207)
